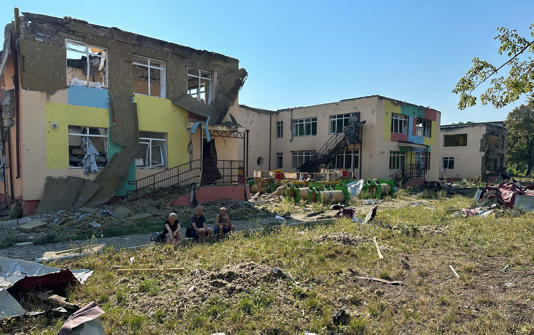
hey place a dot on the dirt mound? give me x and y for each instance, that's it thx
(340, 238)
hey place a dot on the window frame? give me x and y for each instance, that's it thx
(211, 89)
(446, 162)
(88, 63)
(343, 155)
(88, 134)
(279, 160)
(445, 136)
(302, 125)
(397, 160)
(399, 123)
(279, 129)
(333, 123)
(148, 141)
(162, 76)
(300, 156)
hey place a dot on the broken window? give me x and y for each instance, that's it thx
(338, 122)
(448, 163)
(399, 123)
(149, 76)
(280, 129)
(345, 160)
(279, 160)
(458, 140)
(82, 140)
(200, 85)
(154, 154)
(87, 65)
(299, 157)
(396, 160)
(305, 127)
(423, 128)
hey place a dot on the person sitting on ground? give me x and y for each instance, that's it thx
(172, 231)
(198, 223)
(223, 225)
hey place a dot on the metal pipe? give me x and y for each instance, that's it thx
(270, 136)
(246, 162)
(360, 167)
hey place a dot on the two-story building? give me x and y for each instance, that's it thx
(87, 108)
(473, 150)
(394, 138)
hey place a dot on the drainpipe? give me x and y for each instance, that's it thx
(10, 165)
(361, 151)
(270, 137)
(246, 161)
(4, 152)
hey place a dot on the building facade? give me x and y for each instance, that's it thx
(396, 137)
(107, 107)
(473, 150)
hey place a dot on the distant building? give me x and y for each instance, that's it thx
(473, 150)
(372, 136)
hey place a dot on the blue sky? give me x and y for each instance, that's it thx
(300, 53)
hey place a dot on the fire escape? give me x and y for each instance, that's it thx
(336, 143)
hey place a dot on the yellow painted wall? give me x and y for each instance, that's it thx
(57, 140)
(389, 108)
(432, 141)
(161, 115)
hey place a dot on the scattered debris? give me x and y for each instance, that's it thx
(281, 273)
(370, 216)
(341, 317)
(454, 271)
(377, 248)
(164, 269)
(84, 321)
(340, 238)
(380, 280)
(32, 225)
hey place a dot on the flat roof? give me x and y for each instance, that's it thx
(474, 124)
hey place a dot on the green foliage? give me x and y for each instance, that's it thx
(502, 90)
(520, 125)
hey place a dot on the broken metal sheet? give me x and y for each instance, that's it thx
(524, 202)
(84, 321)
(9, 306)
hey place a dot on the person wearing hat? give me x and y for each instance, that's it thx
(223, 225)
(172, 229)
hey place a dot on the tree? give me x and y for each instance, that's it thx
(502, 90)
(520, 125)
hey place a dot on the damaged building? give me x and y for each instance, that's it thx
(473, 150)
(367, 137)
(89, 110)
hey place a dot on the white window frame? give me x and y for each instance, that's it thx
(397, 160)
(87, 134)
(199, 76)
(299, 157)
(279, 129)
(333, 123)
(87, 54)
(423, 127)
(306, 121)
(446, 161)
(280, 158)
(162, 74)
(399, 123)
(345, 155)
(148, 158)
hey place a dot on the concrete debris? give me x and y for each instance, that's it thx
(141, 217)
(122, 212)
(32, 225)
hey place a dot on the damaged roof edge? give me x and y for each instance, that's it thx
(162, 43)
(358, 98)
(500, 124)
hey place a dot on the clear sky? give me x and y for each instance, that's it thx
(300, 53)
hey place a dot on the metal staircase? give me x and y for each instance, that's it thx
(325, 154)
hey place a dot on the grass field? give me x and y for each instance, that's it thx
(229, 286)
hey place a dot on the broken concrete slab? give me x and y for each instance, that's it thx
(32, 225)
(122, 212)
(60, 193)
(524, 202)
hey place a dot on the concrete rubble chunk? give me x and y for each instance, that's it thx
(524, 202)
(32, 225)
(122, 212)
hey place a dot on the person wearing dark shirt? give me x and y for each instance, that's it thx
(171, 229)
(198, 223)
(223, 225)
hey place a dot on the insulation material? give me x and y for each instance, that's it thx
(84, 321)
(89, 160)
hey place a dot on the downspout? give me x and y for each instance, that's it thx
(246, 161)
(2, 156)
(10, 165)
(17, 89)
(361, 151)
(270, 137)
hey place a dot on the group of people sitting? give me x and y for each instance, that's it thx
(199, 228)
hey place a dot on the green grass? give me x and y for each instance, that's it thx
(218, 292)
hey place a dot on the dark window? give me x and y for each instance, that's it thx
(396, 160)
(399, 123)
(280, 129)
(458, 140)
(305, 127)
(338, 122)
(279, 160)
(448, 163)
